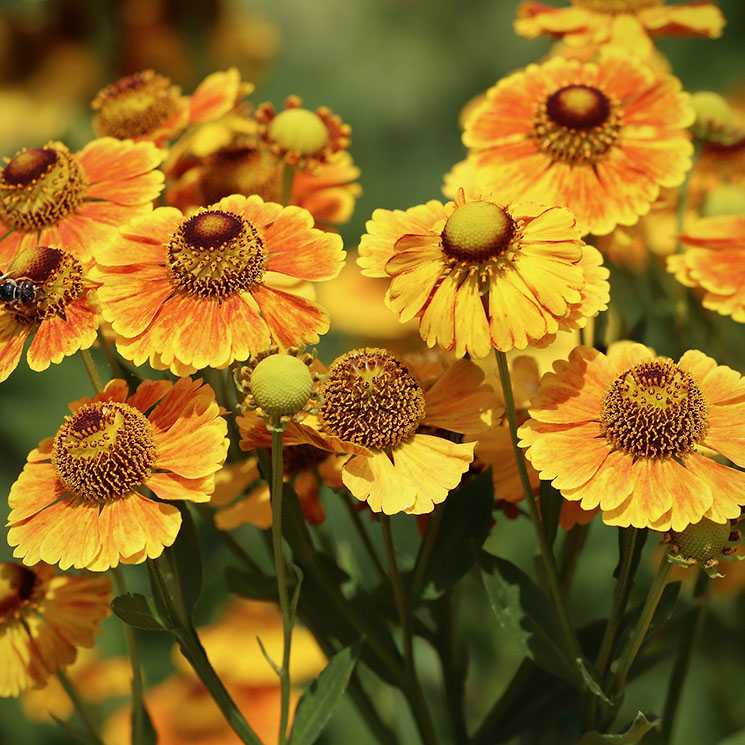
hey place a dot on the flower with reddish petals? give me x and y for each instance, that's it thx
(219, 286)
(624, 432)
(45, 293)
(44, 618)
(480, 273)
(82, 499)
(52, 197)
(599, 138)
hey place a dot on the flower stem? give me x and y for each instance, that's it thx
(90, 368)
(89, 723)
(280, 567)
(288, 176)
(425, 552)
(364, 536)
(549, 561)
(418, 703)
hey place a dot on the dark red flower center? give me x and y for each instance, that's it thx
(578, 107)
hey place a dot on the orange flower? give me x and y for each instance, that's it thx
(600, 138)
(376, 412)
(146, 106)
(50, 196)
(714, 260)
(220, 286)
(59, 308)
(624, 432)
(81, 500)
(44, 618)
(479, 275)
(624, 23)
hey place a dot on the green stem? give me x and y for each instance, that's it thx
(87, 719)
(549, 561)
(280, 567)
(573, 544)
(628, 655)
(418, 703)
(288, 176)
(90, 368)
(686, 651)
(364, 536)
(113, 361)
(425, 553)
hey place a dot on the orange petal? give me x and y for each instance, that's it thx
(410, 290)
(292, 320)
(13, 336)
(148, 393)
(36, 487)
(437, 322)
(609, 487)
(249, 332)
(719, 383)
(254, 509)
(215, 95)
(172, 487)
(181, 396)
(727, 487)
(471, 326)
(514, 315)
(376, 480)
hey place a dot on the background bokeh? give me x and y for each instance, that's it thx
(399, 72)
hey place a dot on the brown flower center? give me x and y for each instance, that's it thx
(577, 124)
(654, 410)
(216, 254)
(135, 105)
(104, 450)
(616, 7)
(372, 399)
(57, 277)
(40, 187)
(17, 585)
(476, 232)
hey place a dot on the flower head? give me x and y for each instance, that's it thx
(81, 500)
(624, 431)
(479, 273)
(600, 138)
(221, 285)
(703, 543)
(44, 618)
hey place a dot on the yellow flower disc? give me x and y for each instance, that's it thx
(300, 130)
(713, 114)
(702, 541)
(281, 385)
(477, 231)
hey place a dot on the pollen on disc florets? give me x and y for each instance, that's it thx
(40, 186)
(476, 232)
(216, 254)
(18, 584)
(577, 124)
(135, 105)
(104, 450)
(371, 398)
(654, 410)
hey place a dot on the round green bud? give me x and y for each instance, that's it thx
(725, 199)
(713, 115)
(281, 385)
(300, 130)
(702, 541)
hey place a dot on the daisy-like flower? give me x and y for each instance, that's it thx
(50, 196)
(44, 618)
(45, 294)
(479, 273)
(600, 138)
(147, 106)
(714, 260)
(219, 286)
(81, 501)
(624, 432)
(302, 137)
(628, 24)
(377, 413)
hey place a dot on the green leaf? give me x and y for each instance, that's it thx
(319, 701)
(75, 732)
(592, 684)
(551, 502)
(254, 585)
(737, 739)
(464, 528)
(143, 732)
(139, 611)
(634, 734)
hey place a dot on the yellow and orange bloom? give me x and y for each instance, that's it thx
(81, 500)
(627, 24)
(713, 259)
(147, 106)
(62, 315)
(219, 286)
(44, 618)
(599, 138)
(76, 201)
(624, 432)
(480, 273)
(378, 416)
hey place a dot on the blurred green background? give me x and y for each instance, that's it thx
(399, 72)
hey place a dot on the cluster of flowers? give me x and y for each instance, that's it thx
(589, 142)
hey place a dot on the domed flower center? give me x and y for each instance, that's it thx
(281, 384)
(56, 277)
(702, 541)
(17, 585)
(616, 7)
(371, 399)
(577, 124)
(104, 450)
(477, 231)
(40, 187)
(216, 254)
(300, 130)
(135, 106)
(654, 410)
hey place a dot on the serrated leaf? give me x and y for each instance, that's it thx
(139, 611)
(319, 701)
(634, 734)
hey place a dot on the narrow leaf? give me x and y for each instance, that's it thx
(187, 556)
(634, 734)
(139, 611)
(76, 733)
